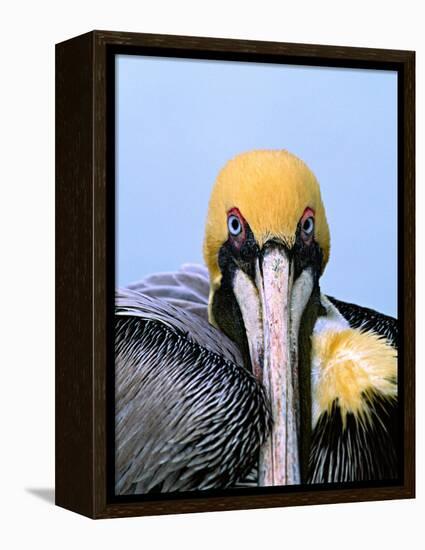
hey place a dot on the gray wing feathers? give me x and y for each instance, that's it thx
(187, 289)
(185, 417)
(134, 303)
(184, 402)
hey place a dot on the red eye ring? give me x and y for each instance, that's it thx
(236, 227)
(307, 225)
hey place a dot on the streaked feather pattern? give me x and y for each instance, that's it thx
(186, 289)
(188, 417)
(134, 303)
(368, 319)
(356, 447)
(201, 425)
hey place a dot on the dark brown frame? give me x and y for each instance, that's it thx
(83, 254)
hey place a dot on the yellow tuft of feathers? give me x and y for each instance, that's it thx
(350, 366)
(271, 189)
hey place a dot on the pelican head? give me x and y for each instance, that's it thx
(266, 246)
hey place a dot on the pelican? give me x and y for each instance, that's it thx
(243, 372)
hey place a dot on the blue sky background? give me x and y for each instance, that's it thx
(179, 121)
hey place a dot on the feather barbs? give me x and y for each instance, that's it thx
(350, 366)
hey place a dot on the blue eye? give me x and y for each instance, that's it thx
(234, 225)
(308, 226)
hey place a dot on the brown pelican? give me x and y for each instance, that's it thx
(245, 372)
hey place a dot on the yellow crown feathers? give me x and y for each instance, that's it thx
(271, 189)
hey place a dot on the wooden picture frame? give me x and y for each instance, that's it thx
(85, 264)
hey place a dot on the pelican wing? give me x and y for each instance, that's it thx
(187, 288)
(195, 328)
(188, 414)
(355, 405)
(368, 319)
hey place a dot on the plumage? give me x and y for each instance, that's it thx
(173, 307)
(244, 373)
(368, 319)
(186, 289)
(356, 450)
(253, 181)
(359, 443)
(183, 400)
(349, 364)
